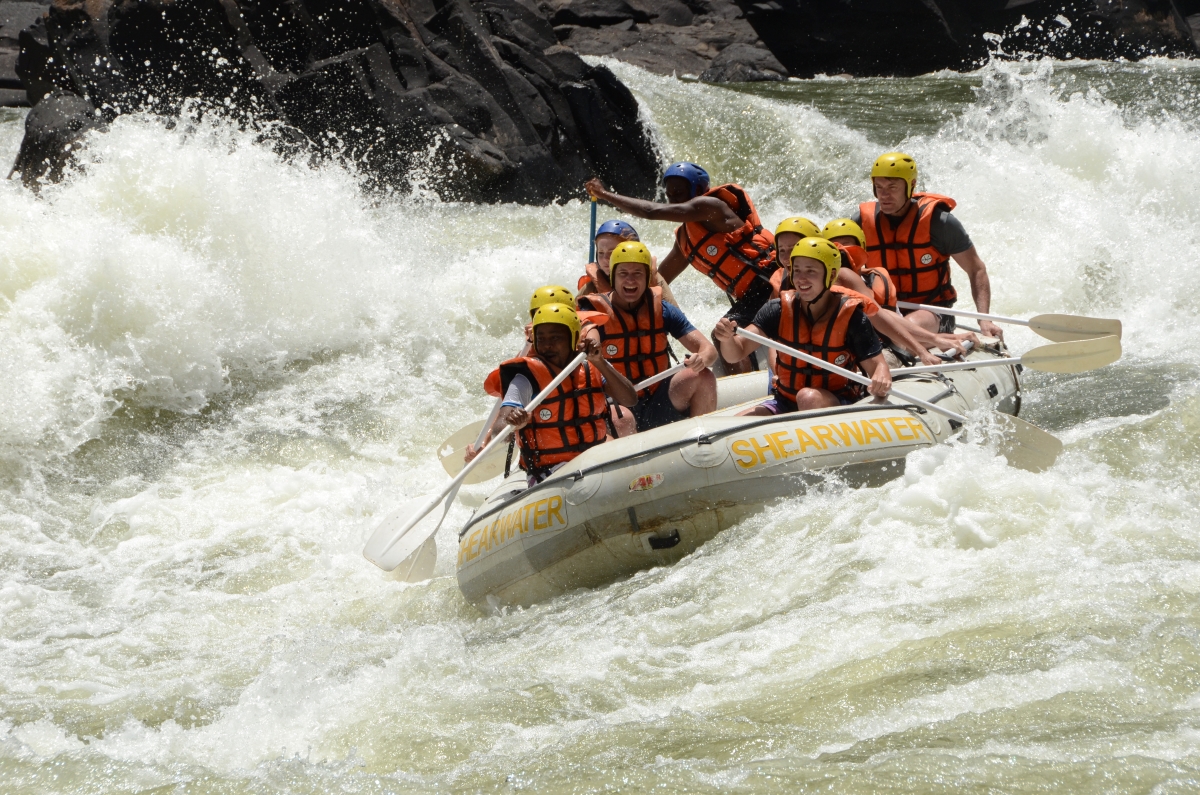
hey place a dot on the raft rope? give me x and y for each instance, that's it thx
(708, 438)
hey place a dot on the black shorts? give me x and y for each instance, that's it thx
(745, 308)
(656, 410)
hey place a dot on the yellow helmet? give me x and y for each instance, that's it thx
(899, 166)
(558, 313)
(798, 226)
(550, 294)
(844, 227)
(632, 251)
(820, 249)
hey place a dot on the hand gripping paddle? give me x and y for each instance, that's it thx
(1025, 445)
(454, 449)
(399, 538)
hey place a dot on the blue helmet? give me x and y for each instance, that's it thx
(696, 176)
(618, 228)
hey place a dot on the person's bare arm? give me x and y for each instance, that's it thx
(616, 386)
(981, 287)
(716, 215)
(705, 355)
(891, 324)
(881, 376)
(672, 265)
(733, 347)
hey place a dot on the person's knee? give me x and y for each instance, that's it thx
(623, 421)
(809, 398)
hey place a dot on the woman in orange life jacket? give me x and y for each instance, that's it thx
(914, 235)
(821, 319)
(596, 277)
(901, 332)
(573, 418)
(789, 232)
(634, 340)
(719, 234)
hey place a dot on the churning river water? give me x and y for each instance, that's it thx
(219, 369)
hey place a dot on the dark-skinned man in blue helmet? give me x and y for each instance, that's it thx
(720, 235)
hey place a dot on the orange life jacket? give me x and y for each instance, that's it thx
(877, 279)
(826, 339)
(920, 272)
(569, 421)
(635, 343)
(731, 259)
(594, 276)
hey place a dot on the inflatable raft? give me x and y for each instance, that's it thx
(652, 498)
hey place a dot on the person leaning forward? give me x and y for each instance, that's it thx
(720, 235)
(914, 235)
(634, 340)
(821, 319)
(574, 417)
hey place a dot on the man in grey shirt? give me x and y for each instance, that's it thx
(914, 235)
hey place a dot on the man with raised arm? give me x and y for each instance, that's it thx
(719, 234)
(914, 236)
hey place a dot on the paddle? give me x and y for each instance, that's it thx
(1057, 357)
(1059, 328)
(400, 536)
(453, 450)
(592, 236)
(1025, 445)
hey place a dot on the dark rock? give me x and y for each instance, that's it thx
(477, 94)
(53, 133)
(741, 63)
(594, 13)
(679, 39)
(14, 17)
(907, 37)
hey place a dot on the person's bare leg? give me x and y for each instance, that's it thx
(808, 399)
(694, 393)
(623, 421)
(925, 319)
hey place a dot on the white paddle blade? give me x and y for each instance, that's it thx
(387, 555)
(418, 566)
(1026, 446)
(455, 447)
(1068, 328)
(1074, 357)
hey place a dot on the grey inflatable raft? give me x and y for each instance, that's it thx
(652, 498)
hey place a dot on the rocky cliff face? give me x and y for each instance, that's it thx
(479, 90)
(908, 37)
(708, 39)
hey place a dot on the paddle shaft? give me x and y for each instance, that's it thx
(592, 235)
(945, 310)
(452, 489)
(942, 368)
(853, 376)
(663, 376)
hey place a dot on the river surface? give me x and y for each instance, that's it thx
(218, 370)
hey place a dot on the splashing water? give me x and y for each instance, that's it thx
(220, 368)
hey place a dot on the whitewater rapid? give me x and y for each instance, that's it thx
(219, 369)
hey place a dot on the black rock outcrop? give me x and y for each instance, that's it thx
(477, 93)
(909, 37)
(708, 39)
